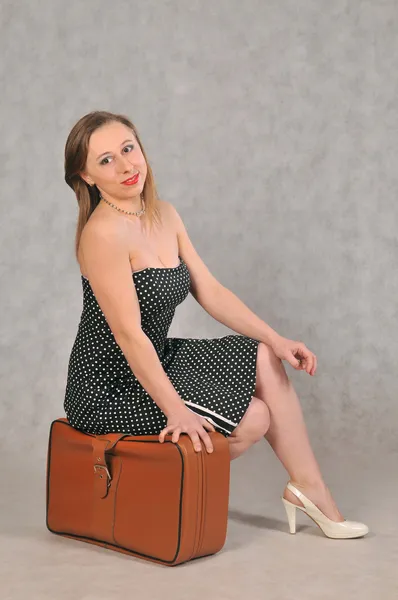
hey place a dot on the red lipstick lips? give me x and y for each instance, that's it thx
(131, 180)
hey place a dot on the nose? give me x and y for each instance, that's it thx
(125, 165)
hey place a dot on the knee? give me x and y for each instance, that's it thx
(269, 368)
(266, 357)
(260, 420)
(254, 424)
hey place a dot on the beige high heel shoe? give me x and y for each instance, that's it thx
(332, 529)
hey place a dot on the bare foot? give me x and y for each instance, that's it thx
(319, 495)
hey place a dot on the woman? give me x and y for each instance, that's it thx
(125, 375)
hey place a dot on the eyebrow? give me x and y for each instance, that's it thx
(109, 151)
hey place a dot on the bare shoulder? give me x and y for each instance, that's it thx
(171, 215)
(104, 251)
(168, 212)
(103, 222)
(100, 227)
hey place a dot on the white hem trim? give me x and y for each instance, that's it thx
(210, 420)
(211, 412)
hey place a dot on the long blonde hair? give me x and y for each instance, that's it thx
(76, 150)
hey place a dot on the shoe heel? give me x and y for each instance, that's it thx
(291, 514)
(332, 529)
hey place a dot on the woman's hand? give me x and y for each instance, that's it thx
(186, 421)
(296, 354)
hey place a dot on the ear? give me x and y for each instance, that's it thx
(86, 179)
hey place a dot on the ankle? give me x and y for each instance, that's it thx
(316, 485)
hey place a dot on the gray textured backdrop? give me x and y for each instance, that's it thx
(272, 127)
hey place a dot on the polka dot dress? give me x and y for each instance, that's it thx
(215, 377)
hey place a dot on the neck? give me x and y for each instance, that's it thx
(130, 204)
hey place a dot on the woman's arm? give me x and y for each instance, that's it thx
(228, 309)
(222, 304)
(107, 263)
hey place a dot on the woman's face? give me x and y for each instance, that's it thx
(113, 156)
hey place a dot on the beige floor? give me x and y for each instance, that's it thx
(260, 559)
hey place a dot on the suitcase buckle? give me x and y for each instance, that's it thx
(109, 478)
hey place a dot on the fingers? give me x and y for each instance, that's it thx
(308, 360)
(310, 364)
(307, 364)
(315, 365)
(195, 435)
(195, 440)
(207, 440)
(176, 435)
(163, 433)
(176, 431)
(208, 425)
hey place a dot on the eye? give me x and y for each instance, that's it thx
(107, 157)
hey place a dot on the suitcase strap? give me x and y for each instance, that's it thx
(102, 476)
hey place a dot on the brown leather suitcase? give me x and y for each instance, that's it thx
(160, 502)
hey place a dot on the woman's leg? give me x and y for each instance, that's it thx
(287, 433)
(251, 429)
